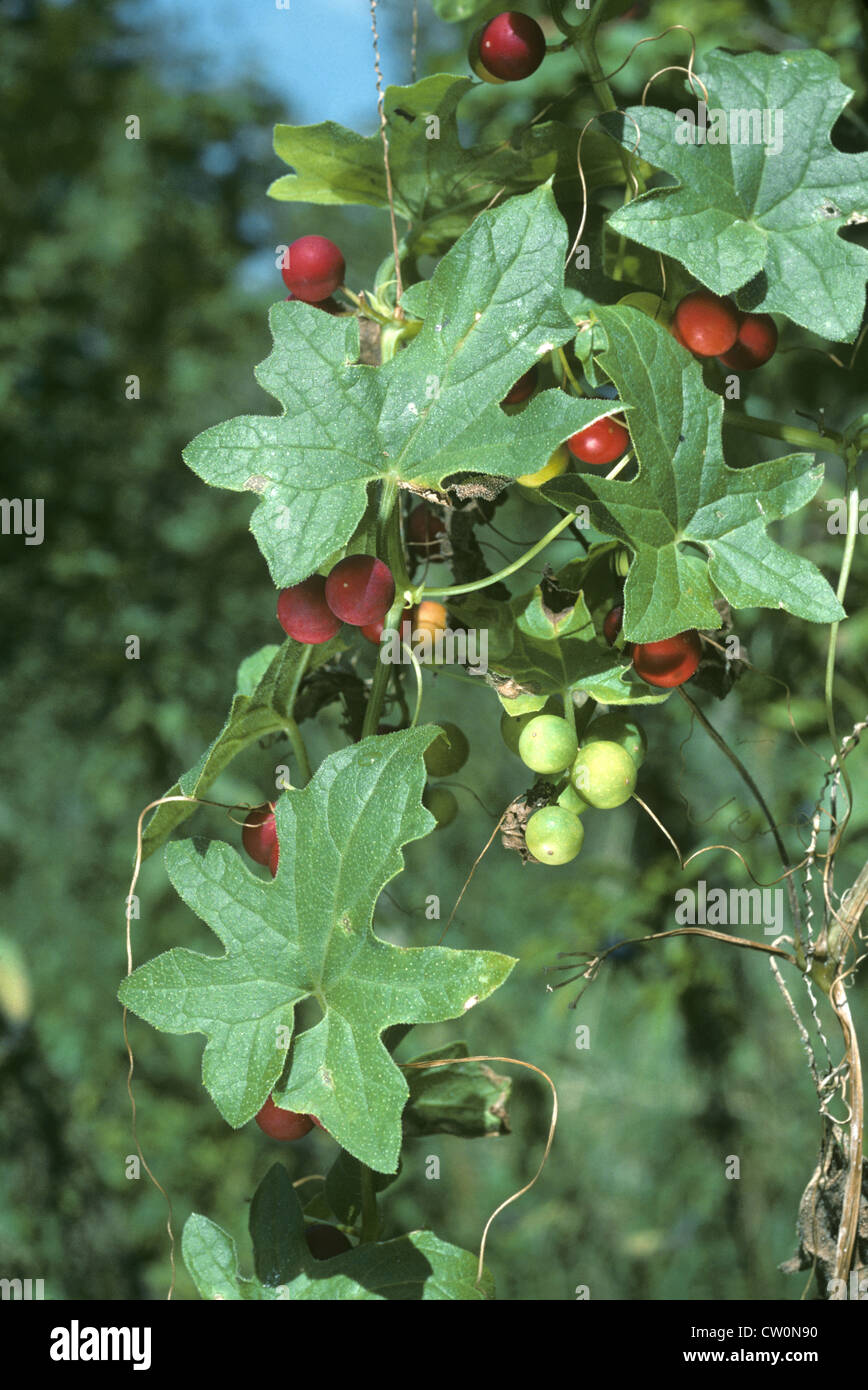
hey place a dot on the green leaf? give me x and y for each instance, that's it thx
(439, 186)
(306, 935)
(211, 1258)
(276, 1227)
(686, 500)
(742, 215)
(550, 653)
(415, 1266)
(493, 309)
(469, 1100)
(265, 687)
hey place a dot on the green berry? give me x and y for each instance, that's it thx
(547, 744)
(618, 727)
(448, 753)
(604, 774)
(442, 805)
(511, 725)
(571, 801)
(554, 835)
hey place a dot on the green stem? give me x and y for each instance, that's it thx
(300, 751)
(292, 729)
(454, 590)
(569, 710)
(388, 498)
(585, 42)
(370, 1215)
(389, 544)
(846, 566)
(790, 434)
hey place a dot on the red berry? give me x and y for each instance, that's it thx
(612, 624)
(600, 443)
(303, 612)
(283, 1124)
(755, 344)
(360, 590)
(330, 305)
(259, 835)
(707, 324)
(523, 388)
(511, 46)
(668, 663)
(319, 1124)
(313, 267)
(374, 631)
(424, 527)
(274, 859)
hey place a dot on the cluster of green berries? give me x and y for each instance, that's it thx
(601, 774)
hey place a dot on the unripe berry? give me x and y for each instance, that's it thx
(283, 1124)
(430, 618)
(510, 47)
(620, 728)
(442, 805)
(360, 590)
(511, 725)
(259, 833)
(556, 465)
(312, 269)
(603, 774)
(668, 663)
(547, 744)
(554, 835)
(449, 751)
(705, 323)
(304, 614)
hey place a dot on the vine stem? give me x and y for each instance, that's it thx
(843, 578)
(389, 544)
(746, 777)
(299, 750)
(390, 194)
(453, 590)
(370, 1215)
(584, 40)
(789, 434)
(848, 1229)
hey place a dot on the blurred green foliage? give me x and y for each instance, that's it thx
(128, 257)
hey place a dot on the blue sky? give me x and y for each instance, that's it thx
(317, 52)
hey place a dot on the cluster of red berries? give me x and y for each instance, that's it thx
(359, 590)
(668, 663)
(713, 327)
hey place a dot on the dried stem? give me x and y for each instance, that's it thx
(381, 106)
